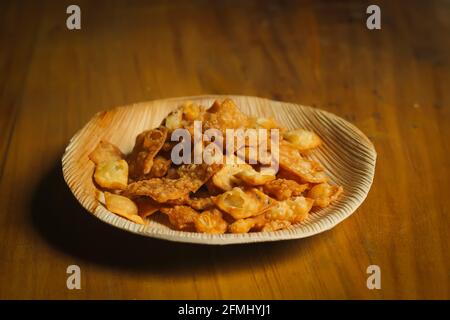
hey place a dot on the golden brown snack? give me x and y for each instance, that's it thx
(225, 115)
(294, 210)
(123, 207)
(252, 177)
(243, 204)
(323, 194)
(192, 177)
(303, 140)
(210, 221)
(148, 144)
(225, 178)
(160, 167)
(112, 174)
(105, 152)
(147, 206)
(181, 217)
(276, 225)
(283, 189)
(302, 169)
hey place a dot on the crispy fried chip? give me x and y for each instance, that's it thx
(323, 194)
(243, 204)
(245, 225)
(276, 225)
(122, 206)
(105, 152)
(252, 177)
(160, 167)
(225, 115)
(147, 206)
(303, 140)
(294, 210)
(192, 177)
(283, 189)
(224, 179)
(147, 145)
(304, 170)
(210, 221)
(181, 217)
(112, 174)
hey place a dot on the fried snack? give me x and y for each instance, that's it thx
(225, 178)
(201, 203)
(276, 225)
(248, 224)
(283, 189)
(162, 190)
(323, 194)
(264, 123)
(225, 115)
(105, 152)
(112, 174)
(147, 145)
(243, 204)
(301, 169)
(122, 206)
(147, 206)
(294, 210)
(252, 177)
(210, 221)
(181, 217)
(160, 167)
(303, 140)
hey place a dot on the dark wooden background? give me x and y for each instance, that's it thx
(394, 84)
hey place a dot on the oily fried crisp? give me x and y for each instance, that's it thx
(301, 169)
(160, 167)
(248, 224)
(147, 145)
(283, 189)
(210, 221)
(252, 177)
(243, 204)
(225, 178)
(303, 140)
(276, 225)
(105, 152)
(181, 217)
(122, 206)
(147, 206)
(162, 190)
(201, 203)
(323, 194)
(292, 210)
(225, 115)
(184, 116)
(112, 174)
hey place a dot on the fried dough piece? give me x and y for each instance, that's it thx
(112, 174)
(123, 207)
(148, 144)
(323, 194)
(192, 177)
(181, 217)
(303, 140)
(225, 178)
(210, 221)
(225, 115)
(275, 225)
(246, 225)
(252, 177)
(105, 152)
(184, 116)
(302, 169)
(160, 167)
(294, 210)
(243, 204)
(283, 189)
(201, 203)
(147, 206)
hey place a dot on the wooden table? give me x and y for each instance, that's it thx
(393, 83)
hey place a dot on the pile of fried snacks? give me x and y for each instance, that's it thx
(233, 196)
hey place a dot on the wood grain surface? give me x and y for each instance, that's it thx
(393, 83)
